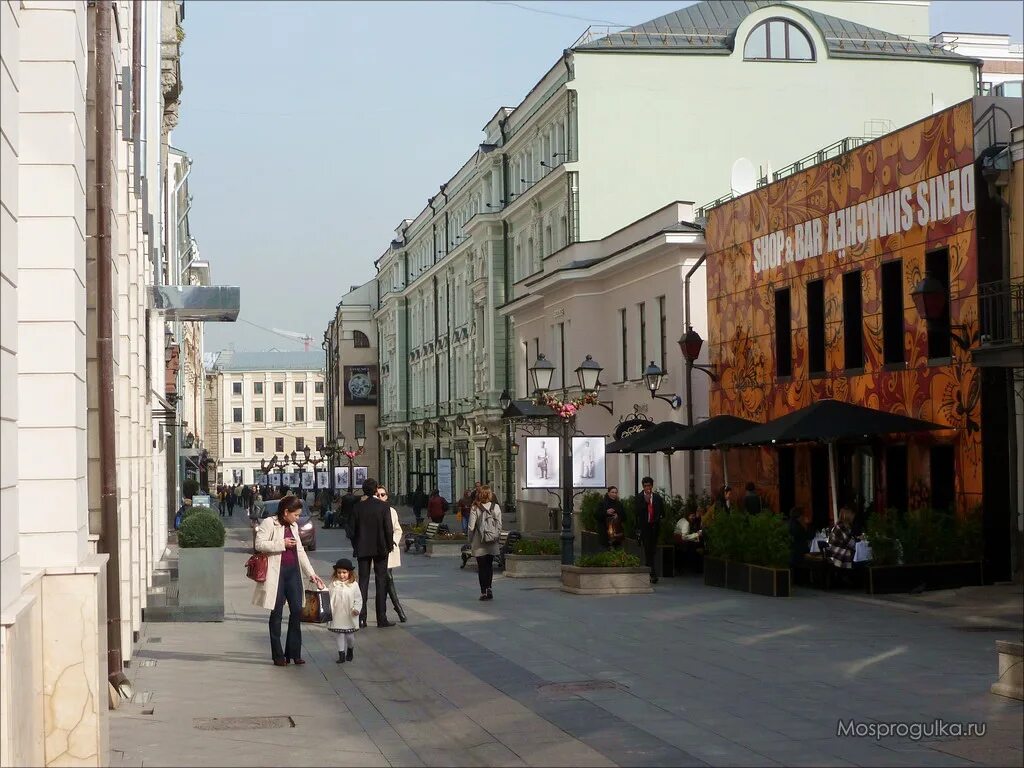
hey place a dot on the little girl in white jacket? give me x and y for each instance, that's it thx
(346, 603)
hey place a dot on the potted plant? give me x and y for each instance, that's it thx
(534, 558)
(201, 567)
(925, 548)
(446, 545)
(748, 553)
(607, 573)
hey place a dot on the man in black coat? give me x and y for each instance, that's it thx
(373, 537)
(752, 502)
(650, 508)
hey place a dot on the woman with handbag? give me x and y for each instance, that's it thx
(278, 538)
(484, 533)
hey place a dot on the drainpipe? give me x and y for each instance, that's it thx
(510, 496)
(108, 541)
(688, 378)
(136, 74)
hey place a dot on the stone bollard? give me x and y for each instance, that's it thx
(1011, 670)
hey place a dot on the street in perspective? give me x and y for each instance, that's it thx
(539, 383)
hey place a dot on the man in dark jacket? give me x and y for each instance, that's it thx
(650, 508)
(752, 502)
(373, 538)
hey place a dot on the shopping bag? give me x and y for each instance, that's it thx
(317, 606)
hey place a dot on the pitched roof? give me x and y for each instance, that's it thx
(710, 28)
(269, 361)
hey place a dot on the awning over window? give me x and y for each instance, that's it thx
(197, 303)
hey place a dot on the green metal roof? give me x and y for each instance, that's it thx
(710, 28)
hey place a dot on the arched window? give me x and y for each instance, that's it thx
(360, 340)
(778, 40)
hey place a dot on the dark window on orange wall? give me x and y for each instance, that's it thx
(853, 321)
(936, 264)
(783, 334)
(892, 312)
(816, 326)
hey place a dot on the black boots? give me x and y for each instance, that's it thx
(393, 594)
(348, 654)
(341, 657)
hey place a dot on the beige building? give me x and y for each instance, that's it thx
(267, 403)
(620, 300)
(684, 107)
(353, 379)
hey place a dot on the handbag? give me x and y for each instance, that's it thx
(317, 606)
(256, 567)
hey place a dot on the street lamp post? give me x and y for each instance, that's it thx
(588, 373)
(690, 344)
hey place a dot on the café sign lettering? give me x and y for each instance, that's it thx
(940, 197)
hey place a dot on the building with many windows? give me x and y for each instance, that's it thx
(622, 124)
(267, 403)
(353, 379)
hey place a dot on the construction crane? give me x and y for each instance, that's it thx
(305, 338)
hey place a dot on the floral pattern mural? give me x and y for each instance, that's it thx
(741, 296)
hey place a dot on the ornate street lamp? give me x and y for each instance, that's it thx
(653, 378)
(931, 299)
(541, 372)
(690, 344)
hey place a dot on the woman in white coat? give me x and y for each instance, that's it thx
(395, 556)
(484, 506)
(278, 538)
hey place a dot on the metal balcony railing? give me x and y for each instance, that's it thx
(1001, 312)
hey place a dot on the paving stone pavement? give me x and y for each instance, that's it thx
(689, 675)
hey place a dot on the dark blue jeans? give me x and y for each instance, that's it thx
(289, 589)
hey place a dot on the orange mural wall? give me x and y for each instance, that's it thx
(899, 197)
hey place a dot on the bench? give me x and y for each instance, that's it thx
(506, 542)
(419, 540)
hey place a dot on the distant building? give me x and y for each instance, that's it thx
(1002, 62)
(267, 403)
(353, 378)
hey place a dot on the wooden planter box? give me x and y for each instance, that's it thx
(533, 566)
(590, 543)
(889, 579)
(443, 548)
(201, 583)
(665, 560)
(772, 582)
(1011, 670)
(606, 581)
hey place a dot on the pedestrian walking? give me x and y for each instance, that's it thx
(395, 556)
(650, 508)
(464, 506)
(373, 539)
(230, 495)
(239, 501)
(247, 498)
(419, 501)
(609, 529)
(346, 603)
(485, 530)
(221, 500)
(278, 538)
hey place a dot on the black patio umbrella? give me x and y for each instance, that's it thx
(827, 421)
(638, 442)
(706, 434)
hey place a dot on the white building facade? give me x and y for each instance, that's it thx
(623, 124)
(83, 505)
(269, 403)
(1002, 69)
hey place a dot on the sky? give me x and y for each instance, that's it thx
(316, 127)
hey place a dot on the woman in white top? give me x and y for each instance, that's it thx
(395, 556)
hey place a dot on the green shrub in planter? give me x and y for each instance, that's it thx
(629, 523)
(189, 488)
(591, 514)
(202, 530)
(615, 558)
(767, 542)
(726, 535)
(189, 511)
(538, 547)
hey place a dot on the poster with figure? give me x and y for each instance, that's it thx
(341, 478)
(359, 476)
(323, 479)
(307, 481)
(274, 478)
(290, 479)
(542, 462)
(261, 479)
(588, 462)
(445, 473)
